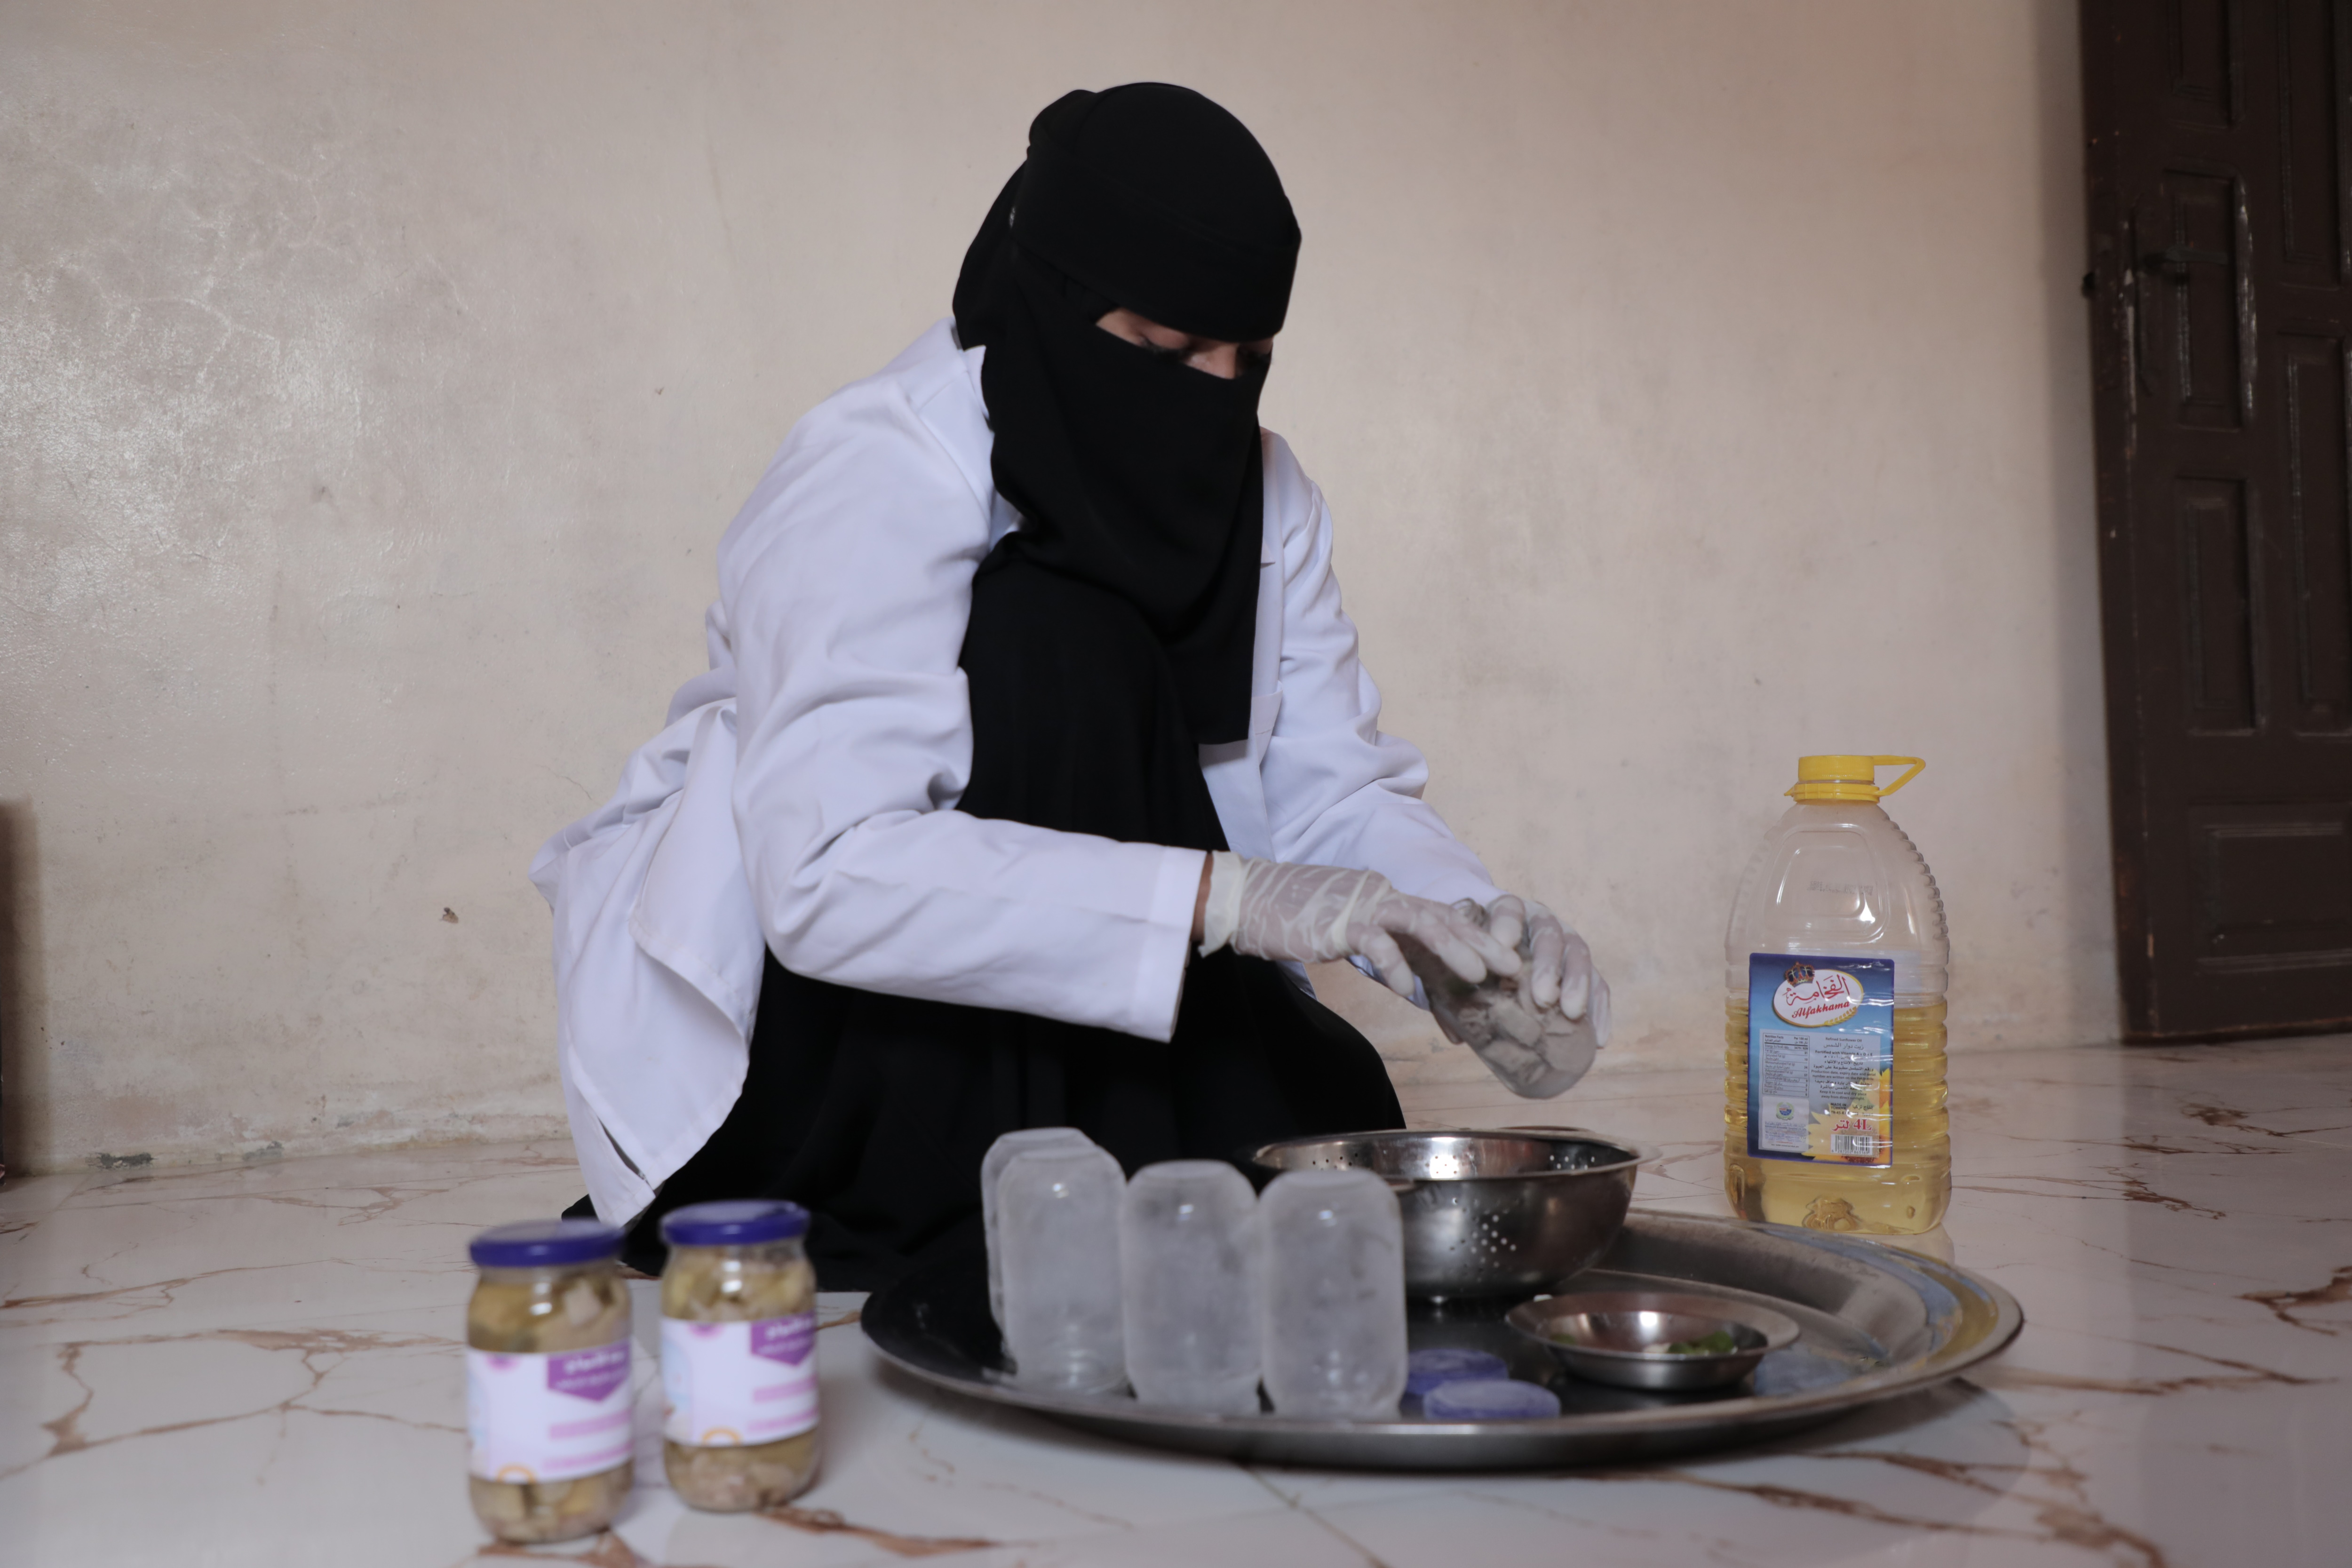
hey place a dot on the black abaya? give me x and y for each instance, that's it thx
(874, 1111)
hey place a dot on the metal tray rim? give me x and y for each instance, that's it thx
(1775, 1412)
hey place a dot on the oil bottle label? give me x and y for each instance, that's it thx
(1821, 1058)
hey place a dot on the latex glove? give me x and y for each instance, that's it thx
(1561, 973)
(1536, 1048)
(1311, 914)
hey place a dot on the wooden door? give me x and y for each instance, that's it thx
(2221, 254)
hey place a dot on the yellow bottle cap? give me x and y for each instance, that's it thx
(1845, 777)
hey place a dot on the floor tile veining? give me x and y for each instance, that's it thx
(262, 1365)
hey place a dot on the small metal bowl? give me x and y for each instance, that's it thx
(1499, 1212)
(1619, 1337)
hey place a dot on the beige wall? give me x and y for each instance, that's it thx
(1697, 383)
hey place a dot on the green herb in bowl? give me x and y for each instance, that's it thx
(1720, 1342)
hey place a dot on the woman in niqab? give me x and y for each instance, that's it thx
(1054, 763)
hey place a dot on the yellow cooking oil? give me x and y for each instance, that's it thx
(1836, 960)
(1906, 1198)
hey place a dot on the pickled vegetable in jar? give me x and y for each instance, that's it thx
(547, 1380)
(739, 1355)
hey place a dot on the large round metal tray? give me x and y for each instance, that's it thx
(1877, 1322)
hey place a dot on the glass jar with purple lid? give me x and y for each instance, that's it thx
(547, 1380)
(739, 1354)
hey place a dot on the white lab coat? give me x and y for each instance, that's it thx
(801, 797)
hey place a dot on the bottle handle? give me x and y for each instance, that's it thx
(1909, 773)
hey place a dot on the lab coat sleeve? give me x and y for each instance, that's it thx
(848, 587)
(1338, 790)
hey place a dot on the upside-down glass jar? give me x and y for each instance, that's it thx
(739, 1355)
(547, 1380)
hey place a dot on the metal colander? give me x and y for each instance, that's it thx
(1486, 1213)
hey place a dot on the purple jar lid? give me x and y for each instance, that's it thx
(738, 1222)
(1425, 1370)
(1489, 1399)
(545, 1243)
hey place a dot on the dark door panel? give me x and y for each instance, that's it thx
(2318, 546)
(2222, 245)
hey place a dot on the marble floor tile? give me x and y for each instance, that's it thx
(262, 1365)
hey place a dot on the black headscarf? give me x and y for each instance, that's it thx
(1131, 470)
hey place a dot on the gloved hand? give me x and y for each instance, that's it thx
(1314, 914)
(1537, 1047)
(1562, 975)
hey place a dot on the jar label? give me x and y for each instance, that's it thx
(1821, 1058)
(548, 1417)
(728, 1383)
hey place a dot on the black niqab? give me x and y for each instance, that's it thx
(1132, 471)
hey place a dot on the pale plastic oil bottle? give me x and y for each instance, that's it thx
(1838, 930)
